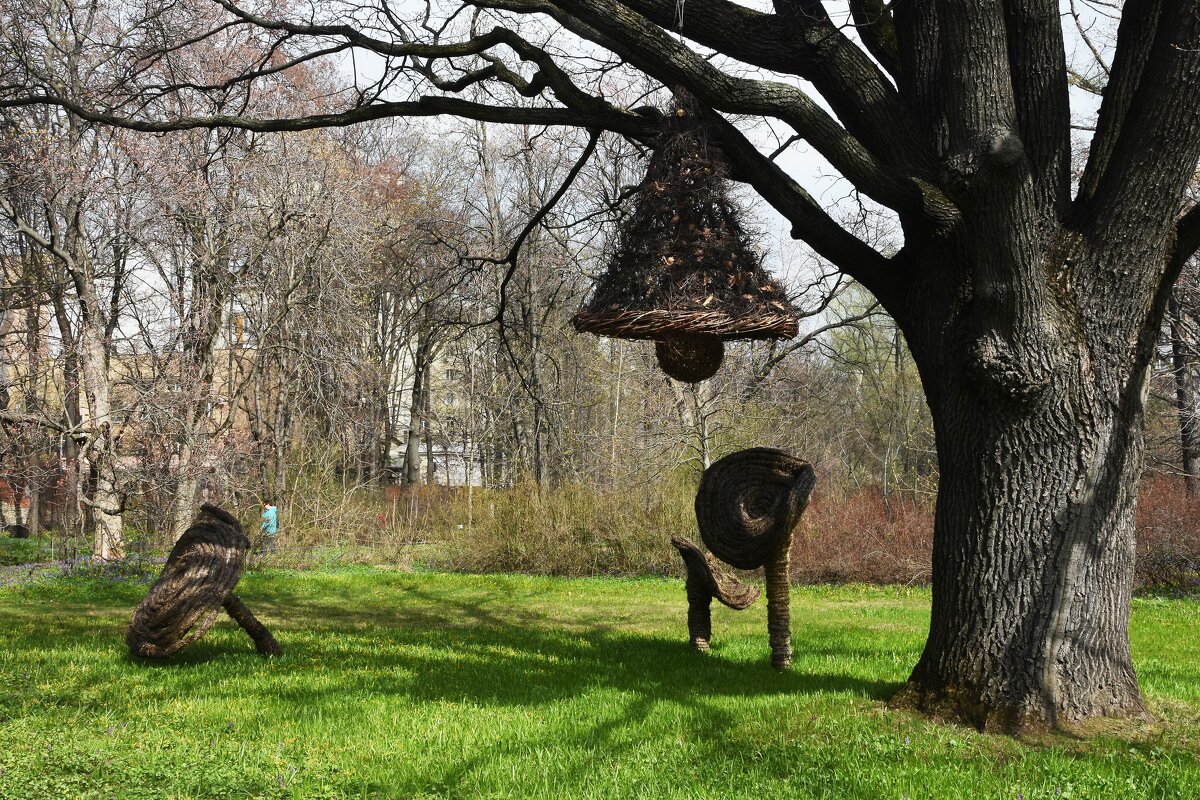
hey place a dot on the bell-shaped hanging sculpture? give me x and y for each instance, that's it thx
(684, 273)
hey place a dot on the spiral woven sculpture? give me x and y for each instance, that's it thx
(196, 582)
(706, 580)
(746, 507)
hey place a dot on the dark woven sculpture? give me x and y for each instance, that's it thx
(684, 272)
(746, 507)
(706, 580)
(196, 582)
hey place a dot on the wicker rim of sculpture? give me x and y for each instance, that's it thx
(197, 581)
(749, 502)
(707, 573)
(747, 506)
(657, 323)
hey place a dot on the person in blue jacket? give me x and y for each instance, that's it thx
(270, 526)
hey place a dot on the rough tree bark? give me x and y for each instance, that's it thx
(201, 328)
(100, 455)
(1034, 327)
(422, 366)
(86, 365)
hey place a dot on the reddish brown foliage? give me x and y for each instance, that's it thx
(1168, 537)
(863, 536)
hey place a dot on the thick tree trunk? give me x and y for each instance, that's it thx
(101, 456)
(109, 544)
(1033, 563)
(427, 435)
(411, 476)
(1039, 415)
(199, 360)
(1033, 317)
(72, 488)
(184, 503)
(34, 518)
(417, 422)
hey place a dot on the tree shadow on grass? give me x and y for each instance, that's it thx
(498, 651)
(433, 647)
(473, 648)
(465, 652)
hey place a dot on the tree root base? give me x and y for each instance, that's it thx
(957, 706)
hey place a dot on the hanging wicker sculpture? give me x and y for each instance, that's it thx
(196, 583)
(684, 273)
(746, 507)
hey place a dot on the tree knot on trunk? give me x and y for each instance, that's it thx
(940, 211)
(1006, 148)
(997, 366)
(993, 154)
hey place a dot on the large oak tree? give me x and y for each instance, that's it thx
(1031, 290)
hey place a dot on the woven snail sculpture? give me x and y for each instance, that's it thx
(747, 506)
(196, 583)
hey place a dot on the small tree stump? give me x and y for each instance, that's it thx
(196, 582)
(747, 506)
(706, 580)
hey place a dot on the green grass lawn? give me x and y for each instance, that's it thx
(434, 685)
(20, 551)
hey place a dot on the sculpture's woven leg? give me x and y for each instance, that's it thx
(699, 615)
(706, 580)
(264, 642)
(779, 625)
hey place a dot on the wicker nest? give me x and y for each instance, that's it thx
(746, 507)
(196, 583)
(684, 263)
(690, 357)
